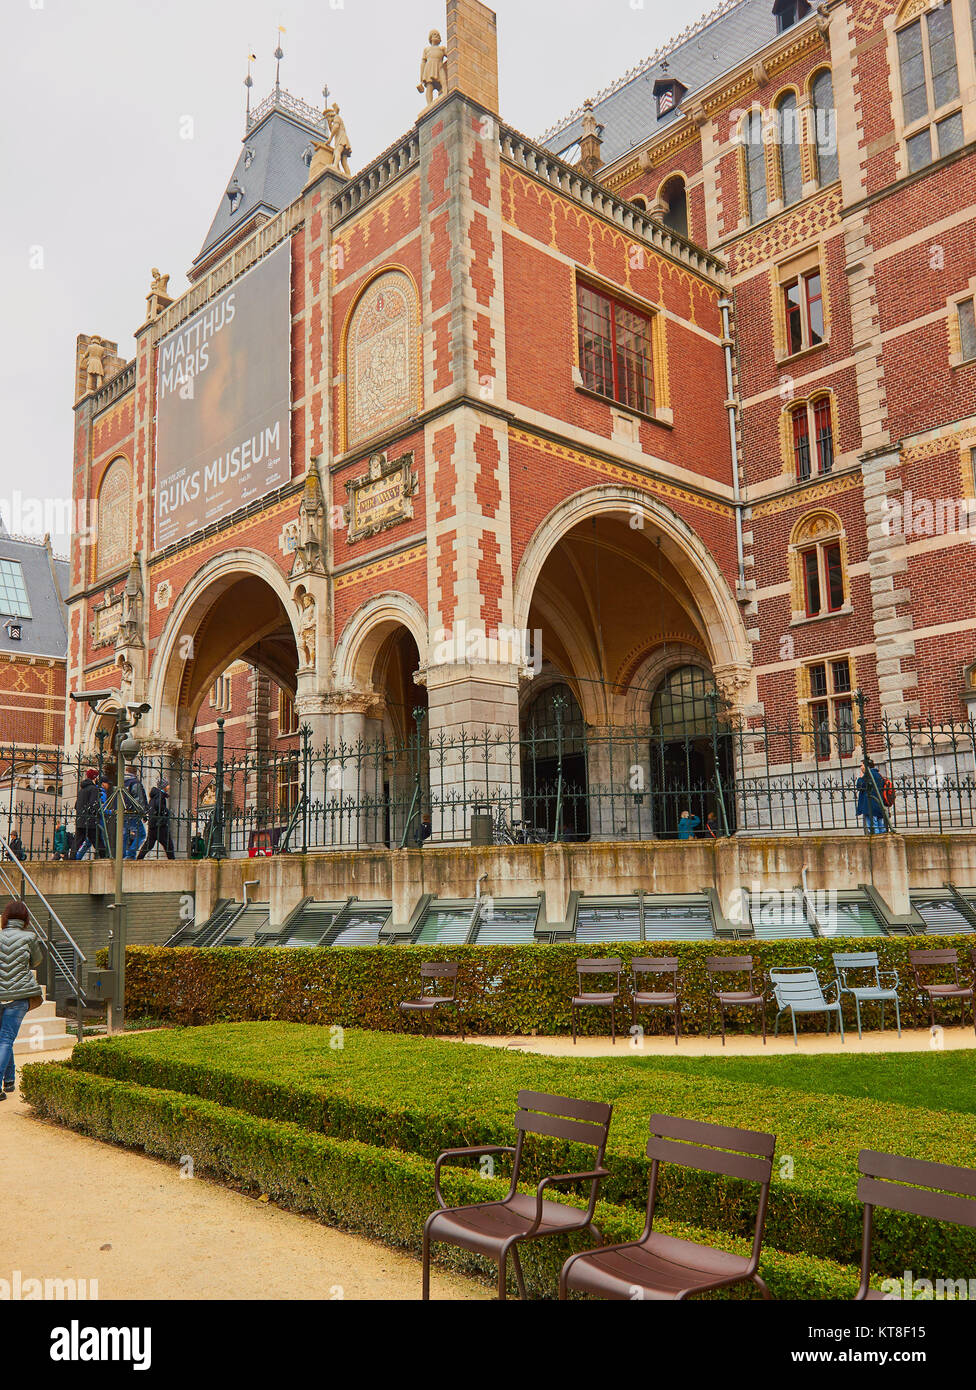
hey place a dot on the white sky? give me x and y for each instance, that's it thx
(94, 172)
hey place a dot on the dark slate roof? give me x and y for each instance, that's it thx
(274, 151)
(44, 632)
(711, 46)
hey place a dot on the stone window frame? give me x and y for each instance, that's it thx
(956, 359)
(797, 264)
(660, 206)
(806, 700)
(746, 218)
(807, 402)
(221, 695)
(803, 538)
(663, 413)
(775, 200)
(288, 721)
(900, 19)
(811, 147)
(97, 573)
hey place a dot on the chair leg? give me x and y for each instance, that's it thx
(520, 1281)
(722, 1016)
(898, 1017)
(613, 1023)
(761, 1286)
(840, 1023)
(762, 1015)
(857, 1005)
(677, 1022)
(502, 1263)
(572, 1011)
(793, 1016)
(709, 1017)
(425, 1266)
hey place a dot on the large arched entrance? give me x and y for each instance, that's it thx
(633, 618)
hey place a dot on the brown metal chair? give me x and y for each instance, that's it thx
(609, 965)
(660, 999)
(922, 961)
(882, 1185)
(749, 998)
(660, 1267)
(428, 1002)
(496, 1228)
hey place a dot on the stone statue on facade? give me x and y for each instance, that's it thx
(94, 364)
(339, 140)
(159, 297)
(433, 68)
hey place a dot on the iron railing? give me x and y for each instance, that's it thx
(566, 782)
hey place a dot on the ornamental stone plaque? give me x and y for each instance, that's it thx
(381, 497)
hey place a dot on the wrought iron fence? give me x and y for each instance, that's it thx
(554, 782)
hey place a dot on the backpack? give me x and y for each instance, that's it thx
(887, 792)
(138, 793)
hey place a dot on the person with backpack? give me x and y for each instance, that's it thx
(87, 810)
(20, 955)
(874, 793)
(136, 811)
(62, 843)
(17, 847)
(158, 821)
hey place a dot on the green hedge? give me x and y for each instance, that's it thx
(505, 990)
(378, 1192)
(420, 1097)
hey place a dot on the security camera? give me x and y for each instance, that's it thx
(91, 697)
(139, 709)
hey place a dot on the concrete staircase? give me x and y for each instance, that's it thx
(42, 1031)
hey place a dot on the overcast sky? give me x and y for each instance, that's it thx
(99, 184)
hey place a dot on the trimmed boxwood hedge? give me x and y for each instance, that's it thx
(419, 1097)
(378, 1192)
(505, 990)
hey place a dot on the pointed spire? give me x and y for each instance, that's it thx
(249, 83)
(278, 55)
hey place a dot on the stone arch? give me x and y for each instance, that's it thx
(653, 669)
(725, 631)
(365, 633)
(172, 692)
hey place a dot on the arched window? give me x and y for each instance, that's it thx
(754, 156)
(691, 751)
(381, 357)
(675, 200)
(819, 565)
(929, 83)
(640, 202)
(789, 145)
(683, 704)
(114, 519)
(824, 118)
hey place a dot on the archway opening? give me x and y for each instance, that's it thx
(691, 753)
(554, 773)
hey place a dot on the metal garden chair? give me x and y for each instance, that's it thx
(495, 1229)
(428, 1001)
(874, 993)
(658, 1266)
(799, 990)
(603, 999)
(656, 999)
(897, 1184)
(748, 998)
(937, 992)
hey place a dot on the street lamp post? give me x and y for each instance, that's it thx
(126, 748)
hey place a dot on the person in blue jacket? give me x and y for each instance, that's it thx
(687, 825)
(870, 801)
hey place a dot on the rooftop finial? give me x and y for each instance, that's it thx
(279, 54)
(249, 83)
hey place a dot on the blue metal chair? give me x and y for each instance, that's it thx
(799, 990)
(873, 991)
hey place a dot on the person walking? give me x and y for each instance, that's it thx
(17, 846)
(136, 810)
(158, 822)
(687, 825)
(20, 955)
(870, 799)
(87, 804)
(62, 843)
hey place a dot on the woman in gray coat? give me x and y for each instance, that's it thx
(20, 955)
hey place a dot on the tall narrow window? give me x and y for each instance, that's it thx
(615, 350)
(676, 200)
(788, 140)
(801, 442)
(803, 312)
(929, 82)
(755, 160)
(824, 119)
(824, 430)
(830, 713)
(966, 311)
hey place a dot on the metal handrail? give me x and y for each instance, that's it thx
(71, 976)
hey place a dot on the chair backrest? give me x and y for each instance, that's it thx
(439, 970)
(600, 965)
(562, 1117)
(731, 965)
(746, 1154)
(797, 986)
(856, 960)
(655, 965)
(883, 1184)
(945, 959)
